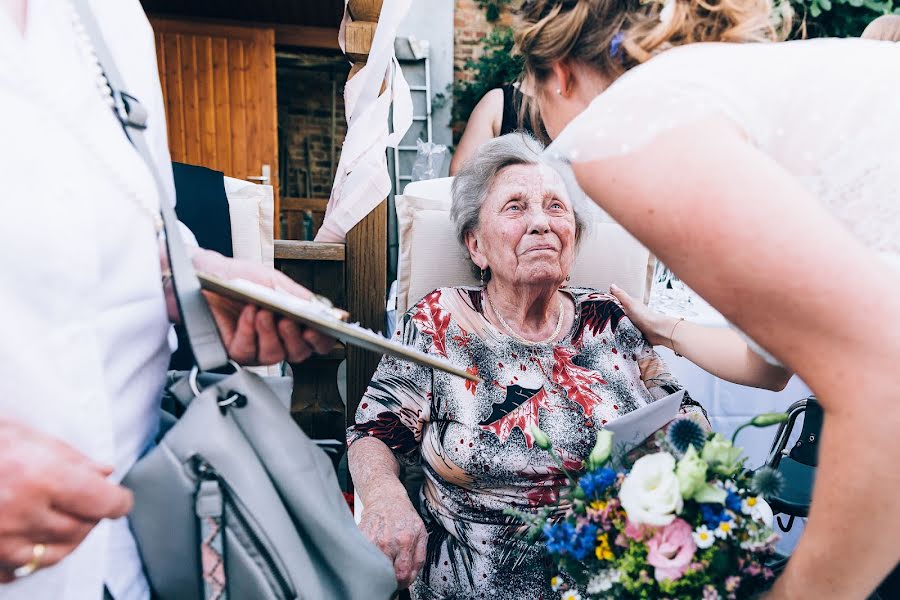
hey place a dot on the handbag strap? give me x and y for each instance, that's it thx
(202, 333)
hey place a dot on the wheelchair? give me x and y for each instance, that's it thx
(797, 466)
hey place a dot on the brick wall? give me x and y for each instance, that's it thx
(304, 112)
(470, 26)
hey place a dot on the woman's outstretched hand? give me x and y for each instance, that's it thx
(655, 326)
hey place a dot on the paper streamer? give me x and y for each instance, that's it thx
(362, 181)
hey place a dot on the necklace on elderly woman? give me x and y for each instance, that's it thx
(518, 337)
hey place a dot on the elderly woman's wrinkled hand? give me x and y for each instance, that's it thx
(254, 336)
(394, 526)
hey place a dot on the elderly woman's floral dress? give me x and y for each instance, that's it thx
(474, 441)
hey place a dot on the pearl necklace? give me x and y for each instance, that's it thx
(89, 55)
(515, 335)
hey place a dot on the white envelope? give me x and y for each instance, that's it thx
(632, 429)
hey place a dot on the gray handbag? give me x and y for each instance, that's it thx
(235, 500)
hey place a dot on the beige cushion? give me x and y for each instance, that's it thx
(430, 257)
(252, 210)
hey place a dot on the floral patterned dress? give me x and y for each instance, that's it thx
(474, 441)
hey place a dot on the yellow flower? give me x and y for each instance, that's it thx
(603, 551)
(598, 505)
(556, 583)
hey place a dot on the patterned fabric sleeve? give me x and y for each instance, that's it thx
(397, 403)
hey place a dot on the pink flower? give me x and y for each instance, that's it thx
(753, 569)
(671, 550)
(635, 531)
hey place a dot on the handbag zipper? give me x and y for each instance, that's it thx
(206, 472)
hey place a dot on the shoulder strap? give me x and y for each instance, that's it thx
(202, 333)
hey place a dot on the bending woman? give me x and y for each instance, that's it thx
(756, 171)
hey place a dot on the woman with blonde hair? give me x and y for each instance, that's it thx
(757, 173)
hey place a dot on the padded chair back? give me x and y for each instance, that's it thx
(252, 210)
(430, 256)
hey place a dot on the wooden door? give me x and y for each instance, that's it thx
(218, 83)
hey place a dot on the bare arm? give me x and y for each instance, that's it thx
(375, 471)
(716, 350)
(483, 125)
(389, 519)
(747, 236)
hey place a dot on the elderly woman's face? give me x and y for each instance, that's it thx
(526, 232)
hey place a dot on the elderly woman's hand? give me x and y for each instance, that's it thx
(393, 525)
(655, 326)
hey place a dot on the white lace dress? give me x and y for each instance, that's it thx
(826, 110)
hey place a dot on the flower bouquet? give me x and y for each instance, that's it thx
(687, 521)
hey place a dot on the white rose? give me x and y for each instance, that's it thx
(650, 493)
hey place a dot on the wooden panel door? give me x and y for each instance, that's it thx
(218, 83)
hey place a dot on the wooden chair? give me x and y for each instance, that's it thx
(354, 276)
(301, 218)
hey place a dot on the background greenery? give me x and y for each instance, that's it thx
(497, 65)
(838, 18)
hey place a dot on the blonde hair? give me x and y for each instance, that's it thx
(549, 31)
(886, 28)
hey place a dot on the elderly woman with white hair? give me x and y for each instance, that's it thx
(566, 359)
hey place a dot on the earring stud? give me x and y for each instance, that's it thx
(558, 92)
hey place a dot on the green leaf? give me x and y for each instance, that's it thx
(711, 495)
(825, 4)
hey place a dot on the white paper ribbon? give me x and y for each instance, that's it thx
(362, 182)
(667, 12)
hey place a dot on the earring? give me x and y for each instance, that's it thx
(482, 278)
(558, 92)
(568, 278)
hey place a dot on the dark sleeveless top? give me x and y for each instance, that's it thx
(512, 101)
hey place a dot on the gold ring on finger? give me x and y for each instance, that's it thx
(37, 553)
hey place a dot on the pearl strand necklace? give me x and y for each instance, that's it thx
(89, 55)
(515, 335)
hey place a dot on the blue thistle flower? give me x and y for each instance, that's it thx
(596, 482)
(684, 433)
(767, 482)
